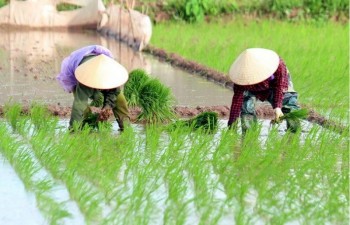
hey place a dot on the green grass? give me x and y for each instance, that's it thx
(318, 61)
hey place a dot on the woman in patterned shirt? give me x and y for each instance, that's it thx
(260, 74)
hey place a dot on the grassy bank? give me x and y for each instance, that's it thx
(318, 61)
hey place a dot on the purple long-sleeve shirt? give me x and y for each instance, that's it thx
(66, 77)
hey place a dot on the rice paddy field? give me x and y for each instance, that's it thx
(150, 174)
(316, 54)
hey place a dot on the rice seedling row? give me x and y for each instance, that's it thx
(179, 176)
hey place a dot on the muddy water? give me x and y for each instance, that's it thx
(30, 61)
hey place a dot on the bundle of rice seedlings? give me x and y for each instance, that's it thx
(295, 115)
(156, 101)
(208, 121)
(91, 119)
(293, 119)
(137, 78)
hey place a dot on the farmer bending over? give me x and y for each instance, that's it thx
(92, 73)
(262, 74)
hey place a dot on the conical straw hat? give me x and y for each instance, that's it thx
(101, 72)
(253, 66)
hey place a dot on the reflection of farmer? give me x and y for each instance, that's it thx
(92, 73)
(262, 74)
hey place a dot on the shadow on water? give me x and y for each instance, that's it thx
(30, 61)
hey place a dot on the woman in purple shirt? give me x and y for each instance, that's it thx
(92, 73)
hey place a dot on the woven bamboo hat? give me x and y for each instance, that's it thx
(101, 72)
(253, 66)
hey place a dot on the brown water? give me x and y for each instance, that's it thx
(30, 61)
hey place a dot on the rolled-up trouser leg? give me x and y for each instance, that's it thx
(290, 103)
(248, 113)
(121, 111)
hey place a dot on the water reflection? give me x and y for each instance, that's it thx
(30, 61)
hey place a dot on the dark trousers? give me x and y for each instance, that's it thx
(248, 112)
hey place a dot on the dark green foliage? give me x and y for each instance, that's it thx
(155, 100)
(196, 10)
(3, 2)
(137, 78)
(297, 9)
(207, 121)
(66, 7)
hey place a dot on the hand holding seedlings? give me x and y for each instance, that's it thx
(278, 113)
(292, 117)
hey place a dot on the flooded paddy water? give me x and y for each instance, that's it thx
(30, 61)
(148, 176)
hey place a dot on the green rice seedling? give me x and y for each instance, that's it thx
(12, 112)
(52, 208)
(293, 118)
(29, 170)
(207, 121)
(137, 78)
(40, 116)
(295, 115)
(156, 101)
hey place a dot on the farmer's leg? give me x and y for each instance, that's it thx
(121, 111)
(290, 103)
(81, 95)
(248, 113)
